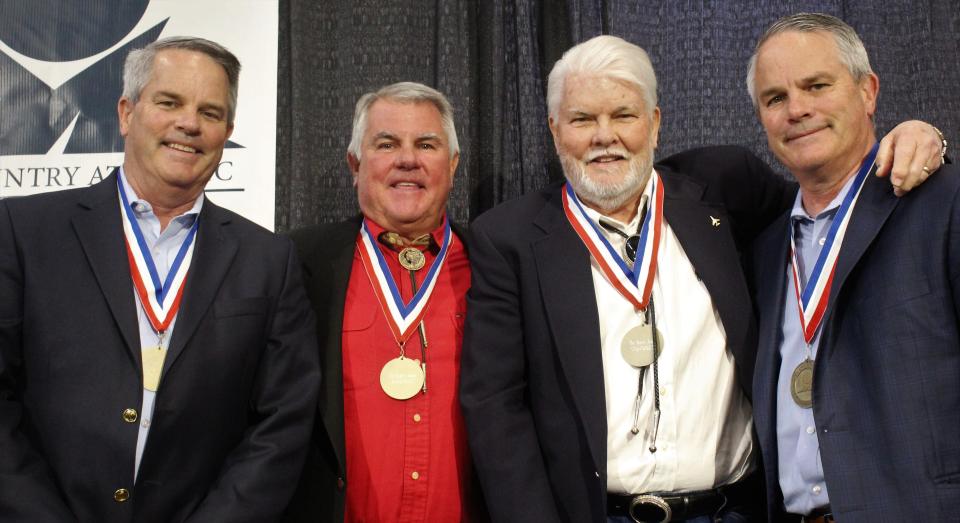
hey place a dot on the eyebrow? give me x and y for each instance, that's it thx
(177, 97)
(807, 80)
(387, 135)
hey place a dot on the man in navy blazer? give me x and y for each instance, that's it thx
(857, 386)
(157, 358)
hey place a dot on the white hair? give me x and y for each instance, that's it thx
(403, 92)
(607, 56)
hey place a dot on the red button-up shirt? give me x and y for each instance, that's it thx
(407, 461)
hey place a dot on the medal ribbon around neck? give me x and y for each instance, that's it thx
(813, 299)
(160, 300)
(403, 317)
(633, 283)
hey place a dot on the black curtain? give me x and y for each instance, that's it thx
(491, 58)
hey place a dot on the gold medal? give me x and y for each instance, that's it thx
(801, 384)
(152, 366)
(637, 345)
(412, 259)
(401, 378)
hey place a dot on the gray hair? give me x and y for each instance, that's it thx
(849, 46)
(403, 92)
(608, 56)
(138, 66)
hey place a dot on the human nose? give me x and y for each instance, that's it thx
(188, 122)
(798, 107)
(604, 134)
(406, 158)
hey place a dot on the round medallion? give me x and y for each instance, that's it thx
(801, 384)
(637, 345)
(401, 378)
(412, 259)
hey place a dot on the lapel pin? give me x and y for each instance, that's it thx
(715, 221)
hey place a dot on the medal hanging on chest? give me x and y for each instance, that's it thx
(641, 345)
(401, 377)
(160, 301)
(813, 298)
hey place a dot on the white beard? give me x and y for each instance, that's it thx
(608, 196)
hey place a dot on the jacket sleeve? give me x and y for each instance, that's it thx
(752, 193)
(493, 392)
(28, 492)
(260, 474)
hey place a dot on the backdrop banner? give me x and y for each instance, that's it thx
(61, 68)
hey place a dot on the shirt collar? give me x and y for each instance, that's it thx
(376, 229)
(142, 207)
(799, 213)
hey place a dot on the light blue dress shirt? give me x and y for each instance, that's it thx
(798, 449)
(163, 247)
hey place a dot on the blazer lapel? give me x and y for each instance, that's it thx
(706, 236)
(566, 282)
(332, 272)
(771, 299)
(101, 235)
(212, 256)
(874, 205)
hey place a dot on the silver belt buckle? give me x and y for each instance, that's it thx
(650, 501)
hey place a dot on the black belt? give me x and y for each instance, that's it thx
(662, 507)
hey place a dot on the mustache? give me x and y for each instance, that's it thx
(593, 154)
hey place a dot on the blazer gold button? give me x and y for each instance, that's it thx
(130, 415)
(121, 495)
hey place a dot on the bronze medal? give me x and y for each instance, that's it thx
(152, 366)
(637, 346)
(401, 378)
(412, 259)
(801, 384)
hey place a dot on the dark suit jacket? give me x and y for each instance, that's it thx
(532, 377)
(235, 404)
(327, 252)
(887, 376)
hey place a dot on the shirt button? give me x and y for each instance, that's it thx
(341, 483)
(145, 423)
(811, 430)
(416, 418)
(822, 241)
(129, 415)
(663, 391)
(415, 475)
(816, 489)
(121, 495)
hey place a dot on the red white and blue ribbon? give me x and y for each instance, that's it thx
(402, 316)
(160, 300)
(633, 283)
(813, 299)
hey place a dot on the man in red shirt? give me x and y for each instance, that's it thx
(389, 288)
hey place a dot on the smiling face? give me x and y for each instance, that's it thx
(175, 133)
(816, 115)
(605, 137)
(405, 171)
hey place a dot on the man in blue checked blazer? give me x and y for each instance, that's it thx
(856, 390)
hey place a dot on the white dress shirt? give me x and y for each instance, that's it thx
(704, 438)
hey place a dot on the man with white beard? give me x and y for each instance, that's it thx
(609, 341)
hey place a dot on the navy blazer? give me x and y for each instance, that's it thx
(887, 376)
(532, 377)
(237, 394)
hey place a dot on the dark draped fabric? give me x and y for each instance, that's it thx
(491, 58)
